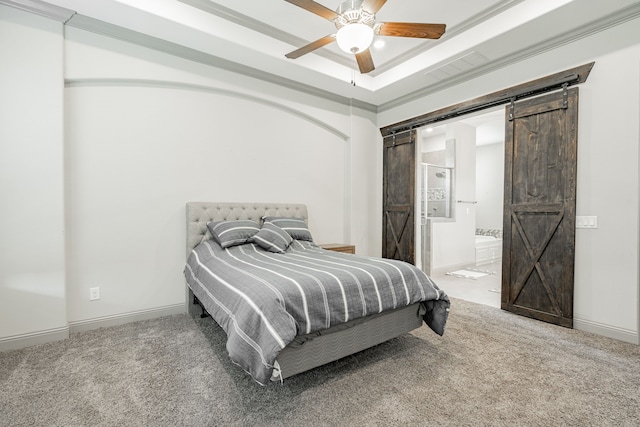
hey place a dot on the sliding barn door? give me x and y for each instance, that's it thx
(539, 211)
(398, 184)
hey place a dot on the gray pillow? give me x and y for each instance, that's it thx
(232, 233)
(296, 227)
(272, 238)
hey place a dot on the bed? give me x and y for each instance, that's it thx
(275, 340)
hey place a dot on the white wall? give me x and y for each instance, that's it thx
(608, 134)
(364, 156)
(453, 242)
(147, 132)
(32, 262)
(490, 185)
(143, 133)
(136, 155)
(606, 275)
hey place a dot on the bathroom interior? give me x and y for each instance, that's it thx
(460, 209)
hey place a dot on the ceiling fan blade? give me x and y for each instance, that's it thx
(311, 47)
(410, 29)
(373, 6)
(365, 62)
(316, 8)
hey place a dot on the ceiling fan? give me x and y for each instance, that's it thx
(356, 24)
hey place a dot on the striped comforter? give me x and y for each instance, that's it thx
(263, 300)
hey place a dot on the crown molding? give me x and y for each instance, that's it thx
(41, 8)
(71, 18)
(100, 27)
(273, 32)
(450, 33)
(262, 28)
(609, 21)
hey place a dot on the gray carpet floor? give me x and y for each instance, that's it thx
(490, 368)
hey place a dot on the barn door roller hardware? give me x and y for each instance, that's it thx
(398, 138)
(512, 108)
(542, 85)
(565, 101)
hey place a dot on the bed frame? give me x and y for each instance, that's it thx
(311, 351)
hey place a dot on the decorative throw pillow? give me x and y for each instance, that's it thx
(232, 233)
(272, 238)
(296, 227)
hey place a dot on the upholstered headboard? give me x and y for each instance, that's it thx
(200, 213)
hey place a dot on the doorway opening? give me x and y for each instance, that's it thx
(539, 201)
(461, 176)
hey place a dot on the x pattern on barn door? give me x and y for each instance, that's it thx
(398, 231)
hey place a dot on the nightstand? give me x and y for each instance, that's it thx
(339, 247)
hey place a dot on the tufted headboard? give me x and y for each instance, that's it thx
(200, 213)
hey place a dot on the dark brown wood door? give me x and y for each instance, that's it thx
(398, 184)
(539, 211)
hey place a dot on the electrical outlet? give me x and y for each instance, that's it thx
(94, 294)
(586, 222)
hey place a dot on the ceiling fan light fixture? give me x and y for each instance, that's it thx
(355, 37)
(355, 21)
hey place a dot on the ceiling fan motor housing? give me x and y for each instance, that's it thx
(351, 12)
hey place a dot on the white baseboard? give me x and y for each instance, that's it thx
(121, 319)
(452, 267)
(34, 338)
(41, 337)
(606, 331)
(58, 334)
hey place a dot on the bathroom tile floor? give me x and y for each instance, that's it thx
(483, 290)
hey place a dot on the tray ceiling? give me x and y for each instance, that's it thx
(252, 37)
